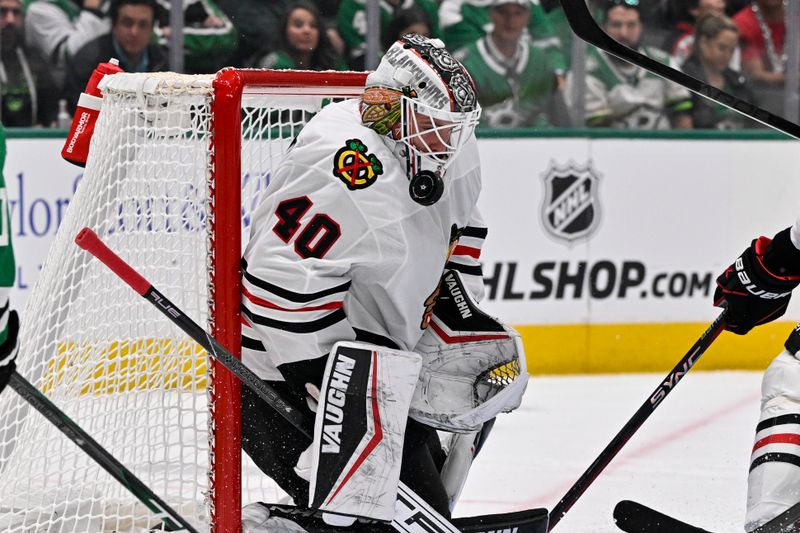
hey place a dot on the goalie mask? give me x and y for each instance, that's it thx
(424, 98)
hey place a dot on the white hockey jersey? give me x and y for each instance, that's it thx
(338, 246)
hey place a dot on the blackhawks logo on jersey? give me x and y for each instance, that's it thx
(355, 167)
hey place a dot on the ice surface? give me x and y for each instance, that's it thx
(689, 459)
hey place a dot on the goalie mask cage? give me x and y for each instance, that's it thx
(177, 165)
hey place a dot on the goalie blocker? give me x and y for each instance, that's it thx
(468, 368)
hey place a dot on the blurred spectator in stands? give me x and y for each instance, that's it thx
(561, 29)
(717, 39)
(621, 95)
(734, 6)
(407, 21)
(329, 10)
(303, 44)
(680, 39)
(209, 38)
(28, 93)
(761, 36)
(257, 23)
(59, 28)
(463, 22)
(351, 21)
(762, 31)
(515, 80)
(129, 40)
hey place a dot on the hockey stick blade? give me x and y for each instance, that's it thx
(633, 517)
(666, 386)
(783, 523)
(527, 521)
(412, 513)
(172, 520)
(584, 26)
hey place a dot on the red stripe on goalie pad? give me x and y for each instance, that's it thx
(376, 437)
(457, 339)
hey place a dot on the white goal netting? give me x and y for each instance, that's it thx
(116, 366)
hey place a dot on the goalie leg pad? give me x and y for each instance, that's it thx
(775, 462)
(359, 429)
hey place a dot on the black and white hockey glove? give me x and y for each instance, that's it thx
(8, 350)
(757, 287)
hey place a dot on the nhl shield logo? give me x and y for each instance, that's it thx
(571, 208)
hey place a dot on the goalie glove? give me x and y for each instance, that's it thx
(757, 287)
(8, 350)
(473, 365)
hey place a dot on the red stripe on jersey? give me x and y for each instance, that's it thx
(460, 249)
(465, 338)
(778, 438)
(376, 438)
(266, 303)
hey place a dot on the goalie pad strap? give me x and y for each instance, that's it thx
(359, 429)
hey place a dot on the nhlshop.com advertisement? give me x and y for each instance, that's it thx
(604, 252)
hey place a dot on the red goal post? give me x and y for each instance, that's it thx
(229, 86)
(176, 166)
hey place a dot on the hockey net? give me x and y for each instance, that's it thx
(177, 165)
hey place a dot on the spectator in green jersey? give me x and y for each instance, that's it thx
(621, 95)
(516, 80)
(209, 38)
(465, 21)
(351, 21)
(9, 321)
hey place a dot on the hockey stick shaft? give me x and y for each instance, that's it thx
(584, 26)
(642, 414)
(414, 510)
(89, 241)
(172, 520)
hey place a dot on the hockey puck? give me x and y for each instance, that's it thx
(426, 187)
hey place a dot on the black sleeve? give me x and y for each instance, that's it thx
(47, 94)
(79, 70)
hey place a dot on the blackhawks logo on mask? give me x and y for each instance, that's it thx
(355, 167)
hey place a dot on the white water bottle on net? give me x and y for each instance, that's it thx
(177, 165)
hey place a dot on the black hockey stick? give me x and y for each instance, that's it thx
(172, 520)
(584, 25)
(412, 514)
(633, 517)
(654, 400)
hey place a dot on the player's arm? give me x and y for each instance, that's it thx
(9, 347)
(466, 255)
(9, 322)
(757, 287)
